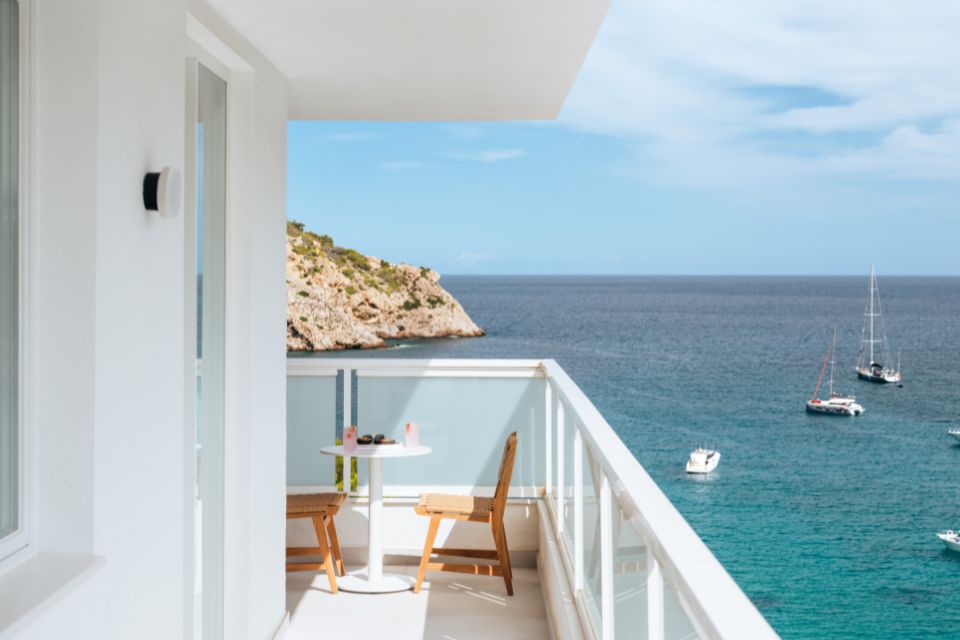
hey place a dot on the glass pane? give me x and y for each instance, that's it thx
(211, 278)
(9, 272)
(465, 421)
(591, 534)
(629, 579)
(566, 482)
(311, 425)
(676, 622)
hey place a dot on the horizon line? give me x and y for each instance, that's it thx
(698, 275)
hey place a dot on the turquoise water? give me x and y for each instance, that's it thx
(827, 523)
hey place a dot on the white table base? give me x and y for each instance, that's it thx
(372, 579)
(359, 582)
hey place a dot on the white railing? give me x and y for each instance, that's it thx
(634, 554)
(675, 555)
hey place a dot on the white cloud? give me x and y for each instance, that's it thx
(676, 77)
(908, 152)
(471, 258)
(487, 156)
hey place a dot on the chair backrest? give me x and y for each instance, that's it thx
(506, 472)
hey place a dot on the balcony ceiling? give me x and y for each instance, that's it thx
(422, 59)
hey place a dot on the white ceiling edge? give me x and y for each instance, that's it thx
(414, 60)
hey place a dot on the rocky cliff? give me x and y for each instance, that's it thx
(341, 299)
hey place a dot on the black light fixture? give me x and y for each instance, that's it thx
(162, 192)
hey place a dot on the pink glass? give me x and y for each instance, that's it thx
(412, 436)
(350, 438)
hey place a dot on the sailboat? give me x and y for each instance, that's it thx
(836, 404)
(874, 363)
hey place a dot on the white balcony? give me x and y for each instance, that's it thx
(600, 551)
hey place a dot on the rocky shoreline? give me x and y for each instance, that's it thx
(338, 298)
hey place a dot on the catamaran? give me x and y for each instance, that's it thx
(836, 404)
(874, 344)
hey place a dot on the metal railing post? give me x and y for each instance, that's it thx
(548, 440)
(347, 420)
(577, 510)
(655, 626)
(561, 488)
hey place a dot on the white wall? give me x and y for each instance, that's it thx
(111, 474)
(64, 281)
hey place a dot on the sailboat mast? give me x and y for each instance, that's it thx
(823, 368)
(833, 358)
(873, 288)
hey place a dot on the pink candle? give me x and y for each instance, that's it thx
(350, 438)
(412, 437)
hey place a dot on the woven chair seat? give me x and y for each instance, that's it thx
(454, 505)
(303, 503)
(440, 506)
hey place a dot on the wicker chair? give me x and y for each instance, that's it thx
(439, 506)
(319, 507)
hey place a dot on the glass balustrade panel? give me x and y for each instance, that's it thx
(629, 578)
(676, 622)
(311, 425)
(566, 482)
(591, 534)
(464, 420)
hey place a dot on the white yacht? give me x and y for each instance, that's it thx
(703, 460)
(954, 432)
(951, 539)
(836, 404)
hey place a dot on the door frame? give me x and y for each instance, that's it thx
(203, 47)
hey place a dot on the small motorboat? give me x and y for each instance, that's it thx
(954, 432)
(703, 460)
(951, 539)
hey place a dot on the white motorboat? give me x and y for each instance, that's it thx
(836, 404)
(951, 539)
(703, 460)
(874, 363)
(954, 432)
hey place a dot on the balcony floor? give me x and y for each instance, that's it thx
(451, 606)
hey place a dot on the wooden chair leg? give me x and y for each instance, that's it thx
(320, 529)
(500, 539)
(335, 547)
(427, 550)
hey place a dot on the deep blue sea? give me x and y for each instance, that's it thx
(827, 523)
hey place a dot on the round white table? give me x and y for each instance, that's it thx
(372, 579)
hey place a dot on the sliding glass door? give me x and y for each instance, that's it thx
(10, 489)
(210, 272)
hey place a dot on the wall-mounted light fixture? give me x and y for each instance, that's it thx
(162, 192)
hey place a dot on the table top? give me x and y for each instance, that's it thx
(375, 451)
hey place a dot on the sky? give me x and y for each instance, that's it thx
(755, 137)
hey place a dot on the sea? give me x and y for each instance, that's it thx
(827, 523)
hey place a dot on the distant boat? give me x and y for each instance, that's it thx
(954, 432)
(951, 539)
(836, 404)
(874, 363)
(703, 460)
